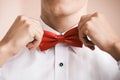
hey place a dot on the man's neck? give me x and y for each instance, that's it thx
(62, 23)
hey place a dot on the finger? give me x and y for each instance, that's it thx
(91, 47)
(84, 38)
(86, 18)
(30, 46)
(33, 45)
(36, 42)
(88, 43)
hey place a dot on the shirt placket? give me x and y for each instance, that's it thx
(60, 61)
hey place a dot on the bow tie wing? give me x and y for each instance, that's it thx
(72, 37)
(48, 41)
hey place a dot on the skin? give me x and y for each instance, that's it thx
(96, 27)
(61, 15)
(14, 40)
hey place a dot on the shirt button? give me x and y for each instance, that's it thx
(61, 64)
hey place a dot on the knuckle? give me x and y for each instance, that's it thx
(88, 25)
(93, 18)
(28, 26)
(21, 18)
(97, 14)
(24, 21)
(83, 17)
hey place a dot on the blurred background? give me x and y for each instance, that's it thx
(10, 9)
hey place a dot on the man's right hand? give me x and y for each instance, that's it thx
(24, 32)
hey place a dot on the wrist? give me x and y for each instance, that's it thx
(6, 49)
(114, 50)
(5, 53)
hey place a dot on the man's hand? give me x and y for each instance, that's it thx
(24, 32)
(95, 30)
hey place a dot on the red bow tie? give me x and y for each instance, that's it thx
(50, 39)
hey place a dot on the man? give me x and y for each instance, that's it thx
(61, 61)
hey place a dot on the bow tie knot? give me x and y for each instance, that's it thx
(60, 38)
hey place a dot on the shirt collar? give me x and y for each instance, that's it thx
(48, 28)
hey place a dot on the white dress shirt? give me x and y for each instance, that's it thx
(62, 62)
